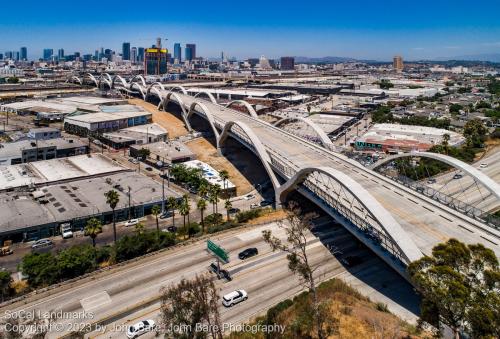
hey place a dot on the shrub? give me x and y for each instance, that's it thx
(245, 216)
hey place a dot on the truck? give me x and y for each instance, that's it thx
(66, 231)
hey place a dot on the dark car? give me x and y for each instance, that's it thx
(249, 252)
(167, 214)
(234, 210)
(148, 169)
(225, 274)
(457, 176)
(265, 203)
(351, 261)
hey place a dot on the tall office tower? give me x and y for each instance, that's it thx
(47, 54)
(155, 61)
(133, 55)
(60, 54)
(1, 56)
(108, 54)
(16, 56)
(140, 54)
(287, 63)
(178, 52)
(24, 54)
(96, 55)
(158, 43)
(193, 51)
(126, 51)
(8, 55)
(77, 54)
(397, 63)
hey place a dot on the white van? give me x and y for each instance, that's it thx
(234, 298)
(66, 231)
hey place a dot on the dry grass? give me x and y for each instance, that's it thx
(268, 216)
(206, 152)
(170, 122)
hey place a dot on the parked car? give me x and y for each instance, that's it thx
(457, 176)
(254, 206)
(265, 203)
(167, 214)
(249, 196)
(42, 243)
(234, 298)
(483, 165)
(66, 231)
(148, 169)
(140, 328)
(249, 252)
(131, 222)
(234, 210)
(431, 181)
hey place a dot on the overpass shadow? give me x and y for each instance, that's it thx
(367, 272)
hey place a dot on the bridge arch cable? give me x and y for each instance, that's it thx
(199, 107)
(323, 137)
(249, 107)
(208, 94)
(355, 203)
(247, 136)
(167, 98)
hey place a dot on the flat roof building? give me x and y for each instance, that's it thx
(167, 152)
(141, 134)
(212, 176)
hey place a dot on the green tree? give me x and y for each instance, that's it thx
(144, 153)
(455, 108)
(188, 304)
(156, 210)
(93, 228)
(112, 199)
(202, 206)
(228, 206)
(474, 132)
(5, 285)
(445, 142)
(213, 197)
(460, 285)
(172, 205)
(297, 229)
(184, 210)
(224, 175)
(385, 84)
(40, 268)
(13, 80)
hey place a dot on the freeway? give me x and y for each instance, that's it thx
(129, 293)
(424, 221)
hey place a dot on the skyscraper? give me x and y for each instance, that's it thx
(60, 54)
(47, 54)
(1, 56)
(126, 51)
(133, 55)
(192, 53)
(178, 52)
(16, 56)
(158, 43)
(24, 54)
(287, 63)
(155, 61)
(140, 54)
(397, 63)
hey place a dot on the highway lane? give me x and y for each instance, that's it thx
(409, 208)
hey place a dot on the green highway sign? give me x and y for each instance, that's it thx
(218, 251)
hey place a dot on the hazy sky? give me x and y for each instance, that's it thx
(360, 29)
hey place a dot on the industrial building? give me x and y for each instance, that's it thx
(141, 134)
(75, 196)
(392, 138)
(166, 152)
(212, 176)
(44, 133)
(23, 151)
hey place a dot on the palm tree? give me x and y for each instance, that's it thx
(93, 228)
(112, 199)
(202, 206)
(203, 190)
(155, 211)
(172, 205)
(139, 228)
(188, 205)
(445, 142)
(215, 191)
(228, 206)
(224, 175)
(184, 211)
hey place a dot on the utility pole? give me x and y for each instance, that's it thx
(163, 192)
(128, 203)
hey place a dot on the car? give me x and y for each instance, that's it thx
(420, 189)
(234, 298)
(265, 203)
(234, 210)
(192, 190)
(42, 243)
(225, 274)
(131, 222)
(249, 252)
(66, 231)
(457, 176)
(254, 206)
(351, 261)
(483, 165)
(213, 268)
(172, 229)
(167, 214)
(97, 142)
(140, 328)
(249, 196)
(431, 181)
(149, 169)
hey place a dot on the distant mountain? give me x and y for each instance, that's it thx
(491, 57)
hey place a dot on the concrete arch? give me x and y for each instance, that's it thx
(166, 99)
(386, 221)
(208, 115)
(107, 76)
(325, 140)
(249, 107)
(210, 96)
(140, 78)
(75, 78)
(152, 87)
(91, 77)
(141, 89)
(181, 88)
(482, 178)
(257, 144)
(122, 81)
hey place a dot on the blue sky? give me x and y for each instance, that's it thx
(360, 29)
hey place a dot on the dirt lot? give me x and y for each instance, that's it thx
(206, 152)
(170, 122)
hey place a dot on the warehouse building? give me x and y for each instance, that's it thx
(165, 152)
(142, 134)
